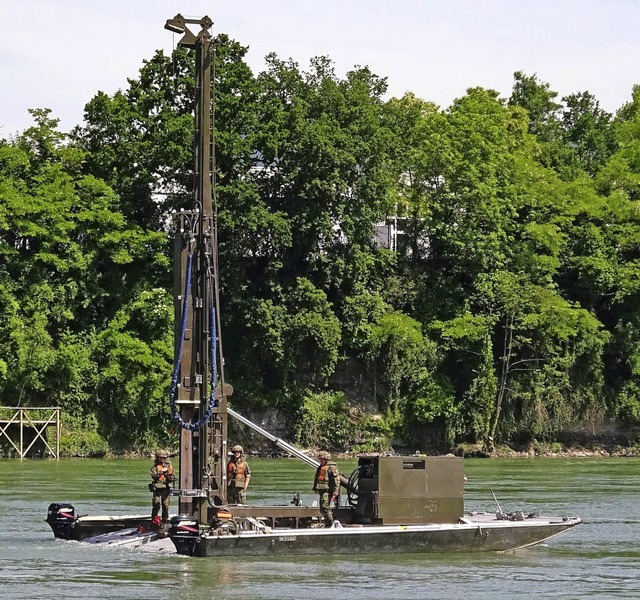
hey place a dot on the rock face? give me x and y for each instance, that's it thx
(272, 420)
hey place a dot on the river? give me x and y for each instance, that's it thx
(598, 559)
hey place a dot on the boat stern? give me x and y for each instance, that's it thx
(62, 519)
(185, 534)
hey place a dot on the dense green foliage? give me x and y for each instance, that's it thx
(506, 310)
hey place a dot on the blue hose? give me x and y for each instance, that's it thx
(175, 415)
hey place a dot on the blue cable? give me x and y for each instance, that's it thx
(176, 368)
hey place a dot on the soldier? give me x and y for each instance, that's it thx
(162, 477)
(223, 523)
(327, 485)
(238, 477)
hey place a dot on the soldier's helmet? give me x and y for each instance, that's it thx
(238, 448)
(323, 454)
(162, 454)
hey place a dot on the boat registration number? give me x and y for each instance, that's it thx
(287, 538)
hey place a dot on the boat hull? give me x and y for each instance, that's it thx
(469, 536)
(66, 525)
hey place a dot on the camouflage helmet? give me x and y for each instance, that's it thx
(238, 448)
(325, 455)
(162, 454)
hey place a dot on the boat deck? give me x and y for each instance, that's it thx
(479, 522)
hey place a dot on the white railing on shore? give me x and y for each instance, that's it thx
(33, 418)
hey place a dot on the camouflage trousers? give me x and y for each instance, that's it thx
(161, 499)
(324, 501)
(236, 495)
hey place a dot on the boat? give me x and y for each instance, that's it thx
(411, 504)
(469, 535)
(67, 525)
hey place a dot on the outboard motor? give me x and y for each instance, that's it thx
(61, 519)
(185, 534)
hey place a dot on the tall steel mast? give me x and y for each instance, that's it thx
(203, 448)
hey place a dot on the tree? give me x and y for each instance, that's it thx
(133, 356)
(72, 262)
(588, 130)
(140, 140)
(545, 358)
(545, 123)
(539, 101)
(472, 215)
(305, 206)
(420, 152)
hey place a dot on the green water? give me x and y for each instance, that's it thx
(598, 559)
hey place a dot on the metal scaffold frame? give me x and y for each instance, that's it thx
(36, 419)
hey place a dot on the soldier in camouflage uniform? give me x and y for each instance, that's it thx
(327, 485)
(238, 477)
(162, 478)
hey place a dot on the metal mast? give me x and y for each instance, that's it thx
(203, 449)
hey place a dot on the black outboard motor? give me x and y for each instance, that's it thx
(62, 519)
(185, 534)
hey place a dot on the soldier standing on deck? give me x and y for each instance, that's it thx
(327, 485)
(238, 476)
(162, 478)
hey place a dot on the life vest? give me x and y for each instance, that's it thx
(224, 515)
(160, 469)
(224, 523)
(163, 480)
(322, 478)
(235, 472)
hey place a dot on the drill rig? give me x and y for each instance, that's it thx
(198, 390)
(394, 503)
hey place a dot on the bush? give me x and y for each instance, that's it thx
(80, 437)
(83, 444)
(324, 421)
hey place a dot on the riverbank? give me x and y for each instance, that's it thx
(606, 441)
(535, 450)
(468, 451)
(552, 450)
